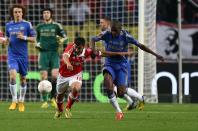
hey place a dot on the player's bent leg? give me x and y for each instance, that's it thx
(131, 92)
(60, 106)
(108, 83)
(54, 73)
(72, 97)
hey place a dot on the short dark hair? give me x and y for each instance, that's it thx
(48, 9)
(106, 18)
(116, 26)
(79, 41)
(17, 6)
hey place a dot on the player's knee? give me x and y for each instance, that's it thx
(12, 81)
(120, 94)
(108, 82)
(121, 91)
(110, 93)
(76, 86)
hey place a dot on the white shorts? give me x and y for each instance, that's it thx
(64, 82)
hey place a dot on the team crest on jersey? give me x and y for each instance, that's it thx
(9, 29)
(21, 28)
(53, 30)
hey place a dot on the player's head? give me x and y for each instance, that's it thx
(105, 23)
(17, 12)
(80, 44)
(116, 27)
(47, 14)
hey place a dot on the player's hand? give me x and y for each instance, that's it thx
(160, 58)
(94, 54)
(69, 66)
(4, 41)
(21, 36)
(38, 46)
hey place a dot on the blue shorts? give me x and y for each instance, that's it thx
(118, 72)
(19, 64)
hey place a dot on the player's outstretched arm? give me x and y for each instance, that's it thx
(67, 62)
(144, 48)
(110, 53)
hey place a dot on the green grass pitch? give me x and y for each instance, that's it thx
(100, 117)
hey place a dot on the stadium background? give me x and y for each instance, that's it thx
(125, 11)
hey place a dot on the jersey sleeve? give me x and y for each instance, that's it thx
(6, 31)
(130, 39)
(31, 31)
(37, 34)
(69, 49)
(88, 52)
(61, 31)
(101, 36)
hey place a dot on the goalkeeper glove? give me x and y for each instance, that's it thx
(38, 46)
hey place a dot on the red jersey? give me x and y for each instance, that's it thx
(76, 61)
(1, 33)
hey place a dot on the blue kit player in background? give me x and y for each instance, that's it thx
(18, 33)
(115, 68)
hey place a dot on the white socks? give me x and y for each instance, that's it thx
(13, 90)
(132, 93)
(128, 99)
(22, 93)
(115, 104)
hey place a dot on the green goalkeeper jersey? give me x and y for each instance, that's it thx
(47, 35)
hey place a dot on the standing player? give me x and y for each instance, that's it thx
(70, 73)
(105, 26)
(115, 68)
(47, 33)
(18, 33)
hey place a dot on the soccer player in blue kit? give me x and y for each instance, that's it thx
(105, 23)
(115, 68)
(18, 33)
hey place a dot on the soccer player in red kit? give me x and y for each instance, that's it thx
(70, 75)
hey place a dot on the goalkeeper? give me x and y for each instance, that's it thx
(47, 43)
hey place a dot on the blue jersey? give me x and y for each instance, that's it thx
(17, 47)
(116, 44)
(117, 66)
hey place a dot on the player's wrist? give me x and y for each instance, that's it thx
(25, 37)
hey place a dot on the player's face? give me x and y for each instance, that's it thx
(115, 33)
(46, 15)
(104, 25)
(18, 14)
(79, 49)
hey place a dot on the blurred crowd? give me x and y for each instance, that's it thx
(167, 11)
(75, 11)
